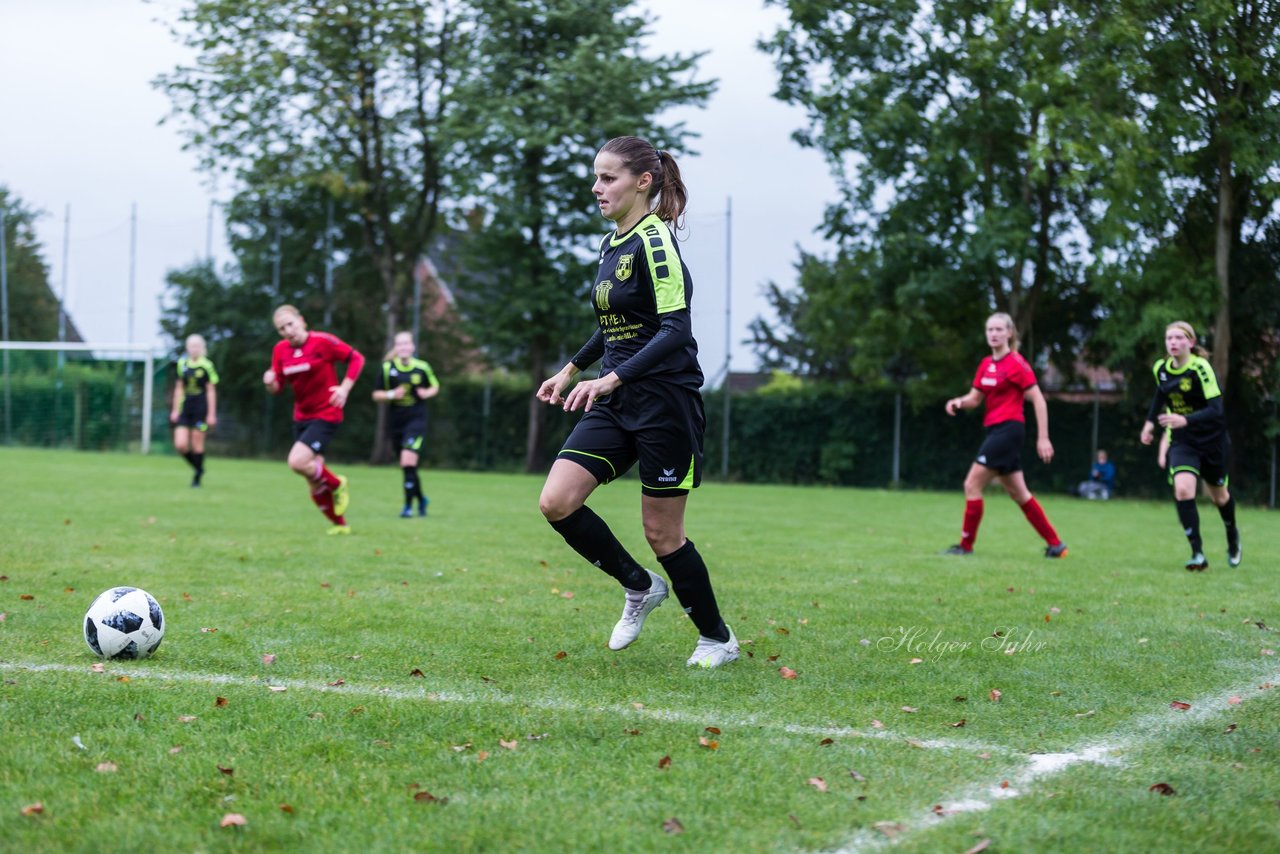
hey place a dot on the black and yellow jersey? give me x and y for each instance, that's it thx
(414, 373)
(642, 298)
(1192, 391)
(195, 376)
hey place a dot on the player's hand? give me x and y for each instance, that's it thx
(1169, 419)
(269, 378)
(1162, 458)
(953, 406)
(211, 421)
(1148, 434)
(584, 394)
(552, 390)
(337, 396)
(422, 392)
(1045, 449)
(396, 393)
(173, 418)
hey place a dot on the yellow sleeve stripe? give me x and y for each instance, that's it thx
(665, 269)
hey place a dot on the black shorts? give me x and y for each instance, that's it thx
(315, 433)
(407, 428)
(1208, 461)
(195, 411)
(1002, 448)
(657, 424)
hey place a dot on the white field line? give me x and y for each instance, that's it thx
(550, 704)
(1146, 729)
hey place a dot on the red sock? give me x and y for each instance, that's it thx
(1035, 515)
(323, 499)
(323, 475)
(972, 519)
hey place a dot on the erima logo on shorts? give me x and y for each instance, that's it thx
(315, 446)
(982, 458)
(668, 476)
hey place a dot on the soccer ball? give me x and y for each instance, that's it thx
(124, 622)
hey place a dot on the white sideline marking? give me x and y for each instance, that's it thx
(666, 715)
(1152, 727)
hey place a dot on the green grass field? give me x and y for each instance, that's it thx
(463, 655)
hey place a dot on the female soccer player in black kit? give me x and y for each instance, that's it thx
(645, 405)
(195, 404)
(1188, 403)
(407, 384)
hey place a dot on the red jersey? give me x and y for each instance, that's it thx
(309, 369)
(1003, 383)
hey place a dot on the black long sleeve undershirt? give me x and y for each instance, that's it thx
(590, 352)
(1212, 410)
(674, 333)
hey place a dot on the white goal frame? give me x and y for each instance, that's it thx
(143, 353)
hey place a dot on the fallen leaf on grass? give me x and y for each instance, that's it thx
(818, 783)
(631, 731)
(889, 828)
(1162, 788)
(509, 745)
(916, 661)
(268, 658)
(664, 763)
(68, 590)
(138, 716)
(175, 750)
(709, 744)
(673, 825)
(1264, 652)
(458, 748)
(3, 616)
(33, 809)
(219, 702)
(338, 684)
(208, 630)
(855, 775)
(1179, 705)
(482, 756)
(714, 730)
(186, 596)
(229, 772)
(568, 594)
(541, 736)
(1230, 728)
(637, 706)
(1234, 701)
(782, 630)
(995, 695)
(106, 768)
(122, 678)
(425, 797)
(286, 808)
(1086, 714)
(875, 724)
(276, 689)
(98, 668)
(826, 742)
(416, 673)
(980, 847)
(26, 597)
(957, 724)
(233, 819)
(787, 673)
(960, 699)
(561, 654)
(186, 719)
(910, 709)
(1004, 784)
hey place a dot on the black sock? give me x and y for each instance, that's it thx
(190, 457)
(1189, 516)
(692, 586)
(197, 460)
(410, 484)
(1228, 513)
(588, 535)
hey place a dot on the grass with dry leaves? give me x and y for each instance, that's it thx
(443, 683)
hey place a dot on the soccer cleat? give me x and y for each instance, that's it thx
(1197, 563)
(422, 505)
(637, 606)
(406, 513)
(195, 481)
(341, 497)
(340, 530)
(711, 653)
(1060, 550)
(957, 549)
(1235, 554)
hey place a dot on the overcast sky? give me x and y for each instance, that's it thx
(79, 126)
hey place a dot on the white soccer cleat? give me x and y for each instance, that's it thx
(635, 609)
(711, 653)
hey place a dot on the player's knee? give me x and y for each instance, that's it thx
(554, 506)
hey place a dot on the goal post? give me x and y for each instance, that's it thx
(73, 395)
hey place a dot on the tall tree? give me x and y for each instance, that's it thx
(553, 80)
(354, 97)
(33, 306)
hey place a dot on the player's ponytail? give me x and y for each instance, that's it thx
(1186, 328)
(638, 156)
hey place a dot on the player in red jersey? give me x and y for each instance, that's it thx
(1004, 381)
(305, 361)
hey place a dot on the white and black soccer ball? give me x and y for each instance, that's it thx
(124, 622)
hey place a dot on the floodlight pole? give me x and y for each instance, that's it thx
(728, 333)
(4, 324)
(133, 265)
(328, 264)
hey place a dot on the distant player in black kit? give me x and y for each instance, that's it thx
(645, 406)
(1188, 405)
(407, 384)
(195, 404)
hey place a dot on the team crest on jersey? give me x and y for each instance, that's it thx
(602, 295)
(1185, 384)
(416, 379)
(623, 271)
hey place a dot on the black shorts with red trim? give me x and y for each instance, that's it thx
(315, 433)
(656, 424)
(1001, 450)
(1208, 461)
